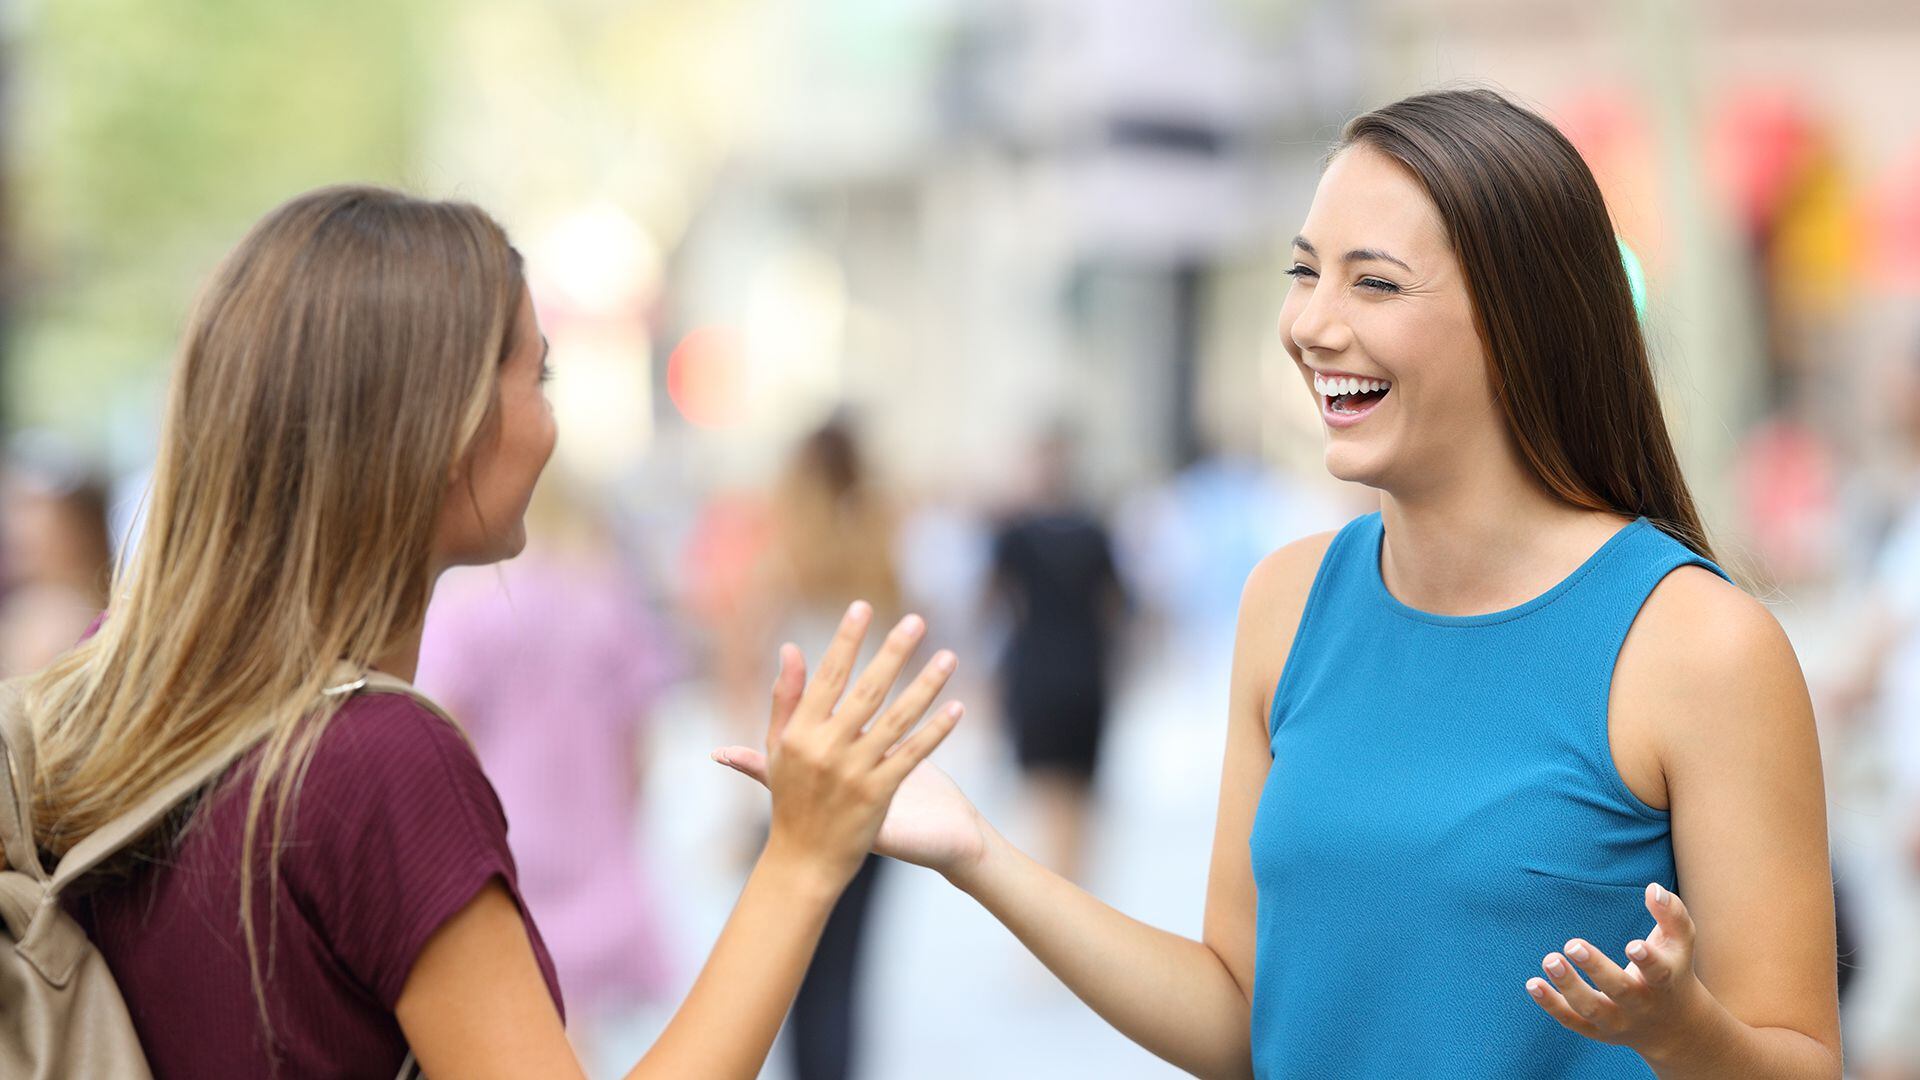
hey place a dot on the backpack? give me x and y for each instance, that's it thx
(61, 1013)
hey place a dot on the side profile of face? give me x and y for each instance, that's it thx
(1381, 325)
(483, 517)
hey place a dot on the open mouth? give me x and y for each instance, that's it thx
(1350, 396)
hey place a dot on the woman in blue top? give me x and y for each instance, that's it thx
(1484, 740)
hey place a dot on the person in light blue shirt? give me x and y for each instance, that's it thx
(1484, 740)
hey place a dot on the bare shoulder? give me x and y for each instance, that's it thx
(1707, 655)
(1281, 581)
(1704, 629)
(1270, 608)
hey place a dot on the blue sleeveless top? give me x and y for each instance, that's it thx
(1442, 812)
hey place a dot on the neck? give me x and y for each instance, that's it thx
(402, 661)
(1487, 540)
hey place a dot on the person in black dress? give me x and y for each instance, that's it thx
(1053, 568)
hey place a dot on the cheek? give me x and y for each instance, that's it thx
(530, 421)
(546, 435)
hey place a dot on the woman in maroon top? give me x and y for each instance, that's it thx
(358, 406)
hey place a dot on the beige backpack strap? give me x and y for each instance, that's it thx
(348, 679)
(16, 786)
(111, 837)
(57, 954)
(56, 946)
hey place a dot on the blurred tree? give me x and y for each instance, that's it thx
(8, 10)
(146, 137)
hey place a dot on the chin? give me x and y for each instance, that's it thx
(515, 543)
(1355, 465)
(498, 549)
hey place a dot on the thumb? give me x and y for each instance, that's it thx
(743, 760)
(1670, 914)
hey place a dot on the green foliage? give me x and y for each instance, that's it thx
(149, 134)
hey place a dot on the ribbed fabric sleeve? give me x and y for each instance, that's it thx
(394, 830)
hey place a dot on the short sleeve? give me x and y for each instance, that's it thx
(396, 829)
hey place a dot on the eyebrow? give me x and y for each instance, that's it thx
(1356, 255)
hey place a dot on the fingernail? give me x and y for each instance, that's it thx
(956, 710)
(944, 661)
(1577, 951)
(1637, 951)
(857, 610)
(1555, 965)
(718, 757)
(1659, 895)
(912, 625)
(1535, 988)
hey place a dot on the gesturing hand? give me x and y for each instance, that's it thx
(833, 765)
(1642, 1005)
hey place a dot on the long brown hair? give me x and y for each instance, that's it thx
(1551, 298)
(833, 527)
(338, 366)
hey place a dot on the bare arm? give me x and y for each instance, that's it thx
(1187, 1001)
(1743, 972)
(512, 1029)
(475, 1004)
(1750, 841)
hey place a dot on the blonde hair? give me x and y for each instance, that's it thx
(833, 528)
(337, 368)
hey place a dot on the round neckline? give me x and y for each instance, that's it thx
(1393, 604)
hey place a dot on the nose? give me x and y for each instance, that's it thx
(1318, 324)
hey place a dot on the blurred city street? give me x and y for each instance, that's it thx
(953, 996)
(970, 309)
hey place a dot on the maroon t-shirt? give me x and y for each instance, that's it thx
(395, 829)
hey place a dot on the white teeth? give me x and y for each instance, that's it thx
(1343, 386)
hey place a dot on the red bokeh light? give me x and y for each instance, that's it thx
(706, 376)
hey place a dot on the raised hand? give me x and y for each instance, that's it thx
(1643, 1005)
(929, 822)
(833, 765)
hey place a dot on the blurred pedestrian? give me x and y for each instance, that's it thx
(1882, 687)
(830, 534)
(1053, 570)
(55, 555)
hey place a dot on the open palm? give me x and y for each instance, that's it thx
(930, 822)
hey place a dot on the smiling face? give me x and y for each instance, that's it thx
(1381, 325)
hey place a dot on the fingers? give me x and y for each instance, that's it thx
(874, 683)
(909, 707)
(787, 687)
(1669, 949)
(830, 678)
(1618, 984)
(1555, 1005)
(743, 760)
(896, 765)
(1589, 1004)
